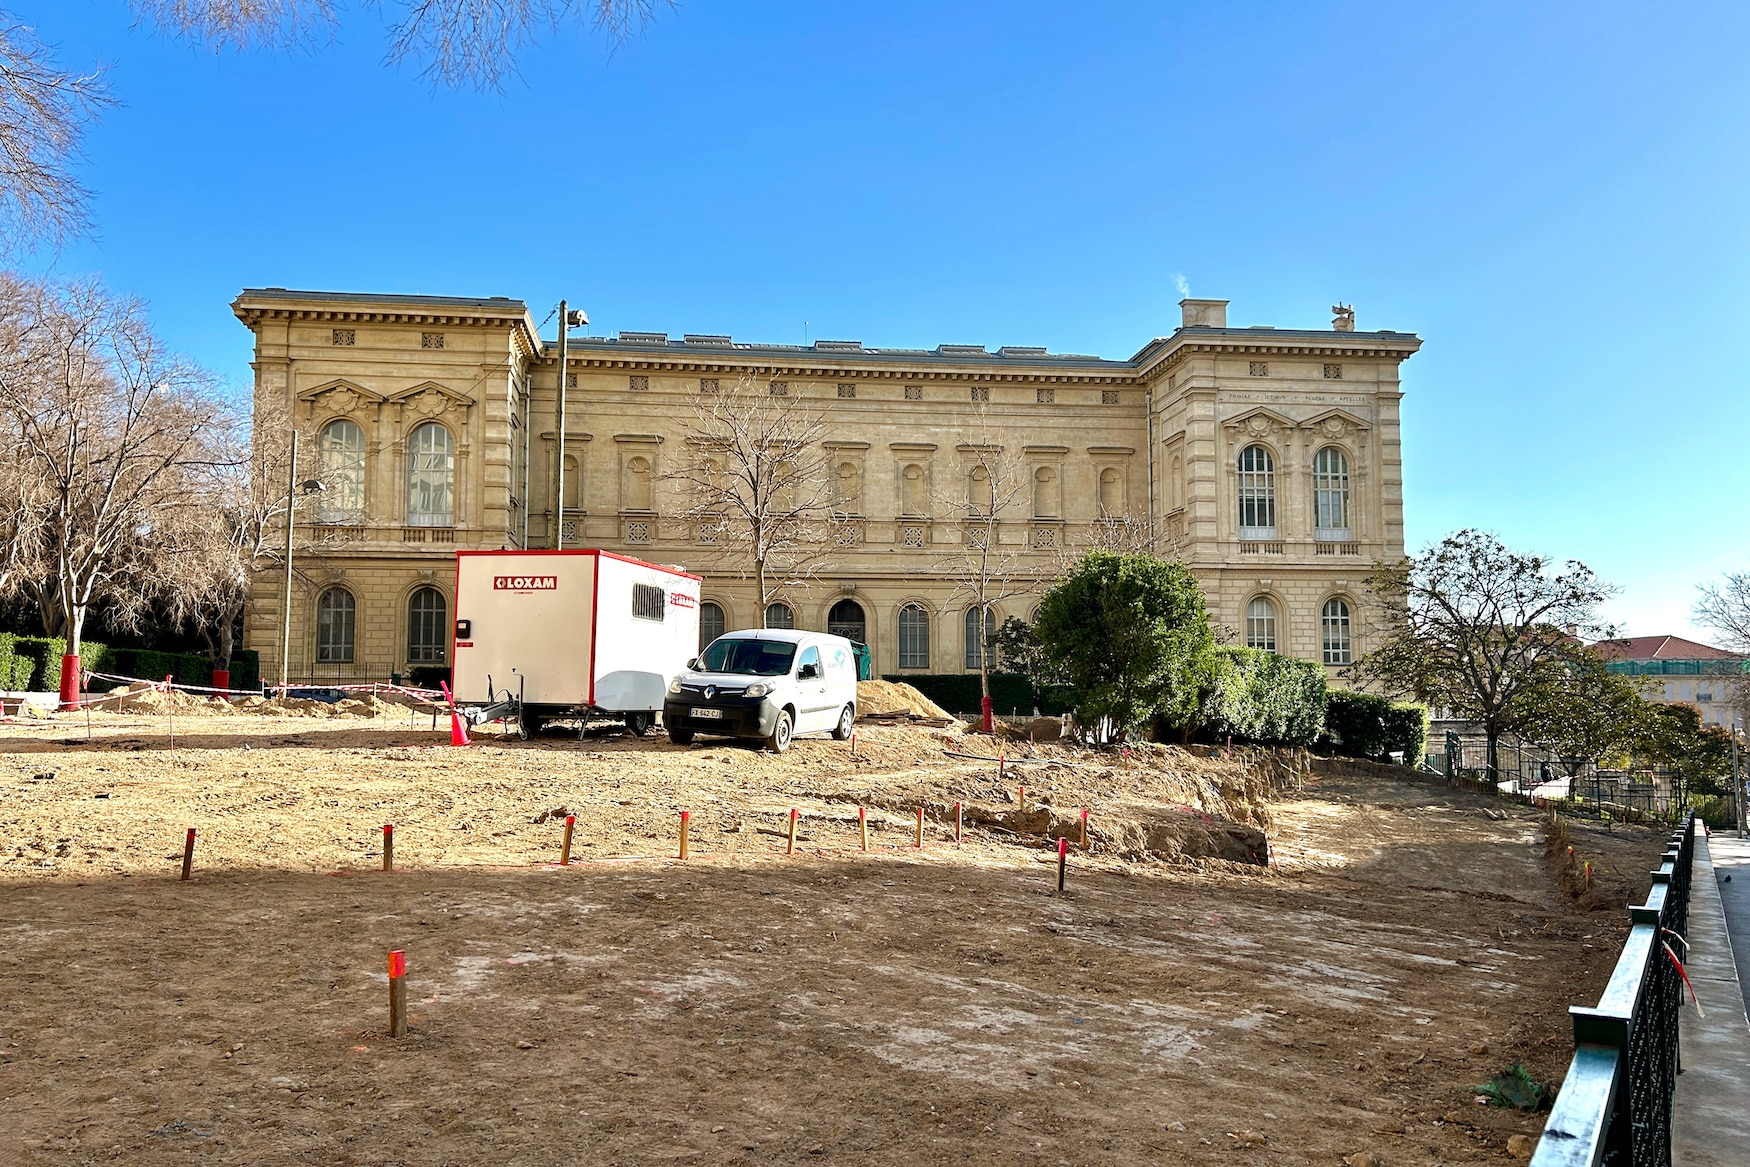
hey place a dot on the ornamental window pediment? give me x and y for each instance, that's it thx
(1336, 424)
(340, 396)
(429, 399)
(1259, 423)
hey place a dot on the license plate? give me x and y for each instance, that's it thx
(707, 713)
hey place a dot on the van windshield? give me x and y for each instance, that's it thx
(758, 658)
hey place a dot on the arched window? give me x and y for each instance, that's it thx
(1339, 649)
(979, 496)
(638, 484)
(1331, 494)
(914, 637)
(340, 462)
(1045, 493)
(976, 645)
(428, 627)
(848, 489)
(431, 477)
(846, 619)
(1261, 624)
(780, 616)
(1111, 492)
(911, 490)
(573, 483)
(710, 622)
(335, 613)
(1257, 493)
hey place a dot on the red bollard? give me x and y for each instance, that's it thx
(70, 682)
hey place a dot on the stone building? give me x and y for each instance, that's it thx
(1267, 458)
(1687, 671)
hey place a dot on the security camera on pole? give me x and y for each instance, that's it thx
(569, 318)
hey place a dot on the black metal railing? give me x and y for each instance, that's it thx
(1614, 1109)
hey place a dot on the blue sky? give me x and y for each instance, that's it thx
(1551, 194)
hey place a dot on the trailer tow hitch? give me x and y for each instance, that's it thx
(507, 706)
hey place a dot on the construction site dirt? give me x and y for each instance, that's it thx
(900, 1005)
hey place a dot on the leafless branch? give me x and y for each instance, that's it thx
(476, 42)
(44, 110)
(239, 24)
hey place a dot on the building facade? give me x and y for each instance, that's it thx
(1681, 672)
(1267, 459)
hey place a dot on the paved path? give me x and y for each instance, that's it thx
(1711, 1126)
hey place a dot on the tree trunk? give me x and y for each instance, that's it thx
(1494, 763)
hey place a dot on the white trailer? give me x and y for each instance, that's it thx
(567, 634)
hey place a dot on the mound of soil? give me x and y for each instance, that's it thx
(896, 697)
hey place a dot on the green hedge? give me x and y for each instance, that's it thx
(37, 660)
(1009, 692)
(1366, 725)
(33, 663)
(1265, 697)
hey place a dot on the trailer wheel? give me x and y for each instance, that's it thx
(679, 736)
(522, 728)
(638, 724)
(842, 730)
(780, 739)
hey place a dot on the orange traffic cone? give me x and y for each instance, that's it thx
(458, 734)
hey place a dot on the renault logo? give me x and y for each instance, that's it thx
(710, 692)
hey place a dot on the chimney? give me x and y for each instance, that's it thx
(1204, 313)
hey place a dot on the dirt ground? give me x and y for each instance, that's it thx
(942, 1005)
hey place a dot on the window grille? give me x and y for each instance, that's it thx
(1258, 368)
(431, 340)
(345, 336)
(912, 537)
(847, 389)
(914, 637)
(1339, 649)
(710, 623)
(637, 532)
(846, 619)
(1045, 396)
(571, 380)
(1257, 493)
(710, 532)
(981, 393)
(975, 646)
(780, 388)
(638, 384)
(336, 613)
(914, 392)
(1108, 397)
(1044, 538)
(1333, 372)
(1331, 494)
(1261, 624)
(780, 616)
(428, 627)
(648, 602)
(707, 384)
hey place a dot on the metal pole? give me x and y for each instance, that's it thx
(1737, 783)
(286, 614)
(559, 436)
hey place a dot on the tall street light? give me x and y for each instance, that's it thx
(293, 489)
(569, 318)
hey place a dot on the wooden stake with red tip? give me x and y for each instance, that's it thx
(565, 846)
(959, 820)
(686, 822)
(790, 842)
(388, 846)
(1021, 792)
(920, 828)
(863, 826)
(1062, 859)
(398, 994)
(853, 743)
(1084, 828)
(188, 854)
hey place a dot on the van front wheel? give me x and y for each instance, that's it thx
(780, 739)
(842, 730)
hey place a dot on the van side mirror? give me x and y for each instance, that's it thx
(808, 672)
(693, 664)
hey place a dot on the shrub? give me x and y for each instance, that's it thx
(1265, 697)
(1367, 725)
(148, 664)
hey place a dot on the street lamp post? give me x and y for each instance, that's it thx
(569, 318)
(313, 486)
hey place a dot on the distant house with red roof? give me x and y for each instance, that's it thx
(1690, 672)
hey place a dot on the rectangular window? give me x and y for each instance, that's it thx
(1045, 396)
(638, 384)
(847, 389)
(1333, 372)
(1108, 397)
(648, 603)
(345, 336)
(914, 392)
(431, 340)
(981, 393)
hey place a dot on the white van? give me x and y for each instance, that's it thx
(770, 683)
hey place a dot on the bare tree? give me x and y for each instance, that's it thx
(754, 474)
(115, 431)
(986, 570)
(44, 110)
(246, 500)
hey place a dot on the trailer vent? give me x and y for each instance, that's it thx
(648, 603)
